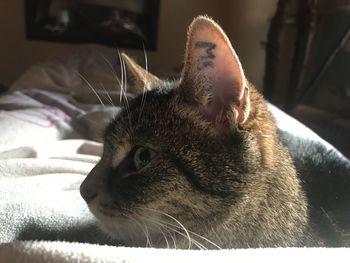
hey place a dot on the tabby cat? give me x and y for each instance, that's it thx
(198, 163)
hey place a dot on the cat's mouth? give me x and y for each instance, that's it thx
(109, 209)
(106, 212)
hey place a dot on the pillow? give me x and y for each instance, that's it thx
(81, 72)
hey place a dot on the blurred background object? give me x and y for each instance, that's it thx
(297, 52)
(246, 22)
(307, 65)
(124, 24)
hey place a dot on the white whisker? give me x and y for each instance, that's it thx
(194, 241)
(171, 236)
(177, 221)
(121, 77)
(108, 98)
(91, 87)
(143, 99)
(114, 73)
(143, 229)
(124, 77)
(167, 228)
(181, 227)
(125, 84)
(194, 233)
(145, 55)
(165, 238)
(148, 236)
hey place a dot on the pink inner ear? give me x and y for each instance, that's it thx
(227, 98)
(210, 57)
(224, 72)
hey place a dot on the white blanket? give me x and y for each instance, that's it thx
(63, 252)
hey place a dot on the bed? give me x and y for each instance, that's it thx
(51, 125)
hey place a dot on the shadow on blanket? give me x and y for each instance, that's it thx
(84, 234)
(325, 178)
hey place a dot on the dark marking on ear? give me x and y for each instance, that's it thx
(207, 60)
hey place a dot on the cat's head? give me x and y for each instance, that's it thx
(184, 152)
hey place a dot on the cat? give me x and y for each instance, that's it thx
(198, 162)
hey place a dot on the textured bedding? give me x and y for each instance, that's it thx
(50, 138)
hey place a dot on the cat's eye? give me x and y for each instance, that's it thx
(142, 157)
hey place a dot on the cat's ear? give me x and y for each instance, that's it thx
(213, 75)
(139, 78)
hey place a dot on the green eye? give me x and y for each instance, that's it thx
(142, 157)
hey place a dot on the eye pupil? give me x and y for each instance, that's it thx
(142, 157)
(145, 156)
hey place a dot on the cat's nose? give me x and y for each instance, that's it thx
(91, 186)
(87, 193)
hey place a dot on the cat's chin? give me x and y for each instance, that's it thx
(130, 231)
(121, 228)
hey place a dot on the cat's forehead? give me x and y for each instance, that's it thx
(143, 114)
